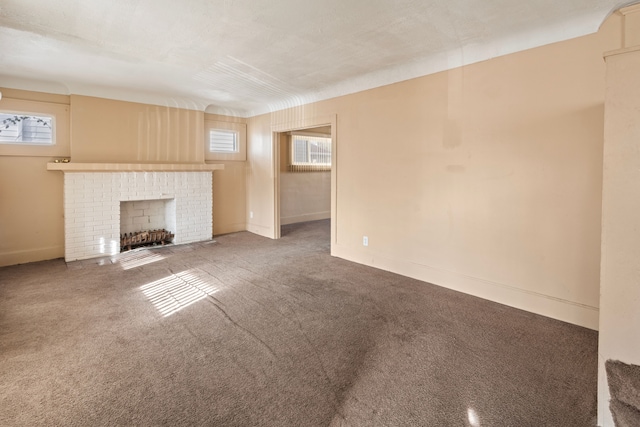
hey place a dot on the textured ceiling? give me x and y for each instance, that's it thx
(244, 57)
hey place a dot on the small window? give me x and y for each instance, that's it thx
(310, 153)
(223, 141)
(27, 129)
(44, 132)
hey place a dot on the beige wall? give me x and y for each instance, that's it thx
(304, 196)
(260, 177)
(485, 179)
(619, 290)
(229, 198)
(31, 211)
(31, 205)
(229, 195)
(102, 130)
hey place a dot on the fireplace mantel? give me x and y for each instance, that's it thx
(133, 167)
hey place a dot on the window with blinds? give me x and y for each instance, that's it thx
(223, 141)
(310, 153)
(26, 129)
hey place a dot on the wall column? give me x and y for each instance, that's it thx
(619, 337)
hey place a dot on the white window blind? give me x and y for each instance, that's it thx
(26, 129)
(223, 141)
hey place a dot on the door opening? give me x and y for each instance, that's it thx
(305, 173)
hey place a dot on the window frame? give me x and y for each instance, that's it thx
(239, 128)
(294, 166)
(236, 141)
(60, 147)
(22, 121)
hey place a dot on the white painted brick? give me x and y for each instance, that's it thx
(141, 220)
(79, 229)
(81, 240)
(135, 212)
(156, 219)
(93, 215)
(140, 205)
(155, 209)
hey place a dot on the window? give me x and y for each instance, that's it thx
(310, 153)
(21, 128)
(34, 128)
(223, 141)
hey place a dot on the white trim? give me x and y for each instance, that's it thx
(275, 163)
(310, 133)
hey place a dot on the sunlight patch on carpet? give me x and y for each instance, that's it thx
(137, 259)
(173, 293)
(473, 418)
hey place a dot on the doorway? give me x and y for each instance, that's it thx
(305, 176)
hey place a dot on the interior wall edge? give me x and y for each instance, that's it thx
(260, 230)
(545, 305)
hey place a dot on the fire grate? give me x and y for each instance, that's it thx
(129, 241)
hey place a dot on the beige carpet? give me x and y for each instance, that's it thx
(249, 331)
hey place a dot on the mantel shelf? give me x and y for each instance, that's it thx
(133, 167)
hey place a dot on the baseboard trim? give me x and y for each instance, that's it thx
(229, 228)
(545, 305)
(305, 217)
(31, 255)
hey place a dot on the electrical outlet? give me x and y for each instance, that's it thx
(250, 214)
(365, 241)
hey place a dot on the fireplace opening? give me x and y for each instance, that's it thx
(145, 238)
(147, 223)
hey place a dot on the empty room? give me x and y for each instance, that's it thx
(333, 213)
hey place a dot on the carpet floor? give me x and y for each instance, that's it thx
(248, 331)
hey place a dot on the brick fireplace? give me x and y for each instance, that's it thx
(93, 194)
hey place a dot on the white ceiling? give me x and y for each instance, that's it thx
(244, 57)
